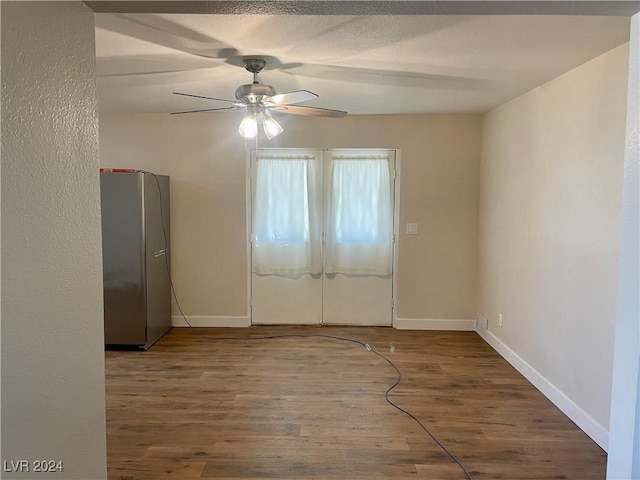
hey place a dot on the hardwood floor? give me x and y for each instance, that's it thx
(199, 406)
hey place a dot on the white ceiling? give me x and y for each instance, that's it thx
(365, 64)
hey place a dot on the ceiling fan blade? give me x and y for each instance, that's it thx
(235, 102)
(310, 111)
(291, 97)
(207, 110)
(460, 79)
(164, 31)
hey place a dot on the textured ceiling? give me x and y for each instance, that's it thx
(365, 64)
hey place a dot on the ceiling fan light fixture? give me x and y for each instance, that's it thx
(249, 126)
(271, 127)
(257, 99)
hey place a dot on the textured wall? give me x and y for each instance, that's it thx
(205, 157)
(52, 334)
(550, 195)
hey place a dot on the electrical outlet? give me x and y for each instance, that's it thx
(500, 320)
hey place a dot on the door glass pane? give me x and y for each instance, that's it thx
(286, 237)
(358, 217)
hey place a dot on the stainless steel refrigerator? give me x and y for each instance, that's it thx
(136, 262)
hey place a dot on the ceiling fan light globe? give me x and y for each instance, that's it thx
(271, 127)
(248, 127)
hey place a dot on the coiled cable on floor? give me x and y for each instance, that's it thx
(310, 335)
(387, 393)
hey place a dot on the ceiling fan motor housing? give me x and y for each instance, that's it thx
(254, 92)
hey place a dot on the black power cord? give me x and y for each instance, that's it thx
(301, 335)
(412, 416)
(166, 247)
(395, 384)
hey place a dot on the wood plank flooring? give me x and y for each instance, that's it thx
(197, 406)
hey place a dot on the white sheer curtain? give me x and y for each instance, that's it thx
(359, 228)
(286, 235)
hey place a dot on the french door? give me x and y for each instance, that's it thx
(322, 236)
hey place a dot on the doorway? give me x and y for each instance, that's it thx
(322, 236)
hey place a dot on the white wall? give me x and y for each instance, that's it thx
(624, 442)
(550, 196)
(53, 404)
(205, 157)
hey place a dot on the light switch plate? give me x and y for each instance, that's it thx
(412, 229)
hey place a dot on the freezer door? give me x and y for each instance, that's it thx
(123, 239)
(158, 261)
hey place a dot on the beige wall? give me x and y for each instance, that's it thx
(206, 162)
(550, 197)
(205, 157)
(53, 400)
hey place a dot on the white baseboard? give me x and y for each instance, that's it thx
(434, 324)
(581, 418)
(195, 321)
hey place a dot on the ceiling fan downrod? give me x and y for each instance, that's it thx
(253, 93)
(255, 66)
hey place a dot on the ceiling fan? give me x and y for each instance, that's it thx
(258, 100)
